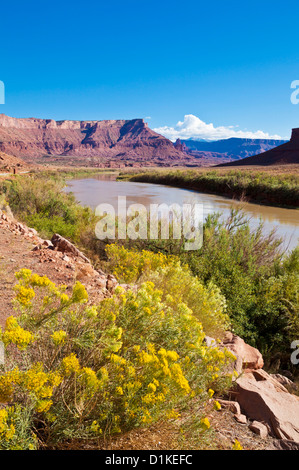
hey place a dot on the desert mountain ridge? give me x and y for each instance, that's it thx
(226, 150)
(88, 141)
(287, 153)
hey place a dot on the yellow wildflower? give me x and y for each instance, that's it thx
(217, 405)
(58, 337)
(205, 423)
(237, 445)
(70, 364)
(14, 334)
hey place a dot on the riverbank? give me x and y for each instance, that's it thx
(271, 187)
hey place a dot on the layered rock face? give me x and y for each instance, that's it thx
(121, 140)
(287, 153)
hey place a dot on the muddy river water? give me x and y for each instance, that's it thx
(99, 189)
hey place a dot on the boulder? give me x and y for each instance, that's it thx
(247, 356)
(210, 342)
(240, 418)
(233, 406)
(264, 399)
(259, 428)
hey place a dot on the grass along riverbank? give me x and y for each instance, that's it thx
(264, 187)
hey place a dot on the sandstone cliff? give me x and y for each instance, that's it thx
(103, 140)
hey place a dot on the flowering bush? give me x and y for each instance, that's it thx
(175, 280)
(76, 370)
(129, 265)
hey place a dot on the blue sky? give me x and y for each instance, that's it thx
(229, 64)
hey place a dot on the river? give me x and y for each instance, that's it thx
(104, 188)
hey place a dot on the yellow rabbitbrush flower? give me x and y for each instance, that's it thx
(217, 405)
(172, 414)
(70, 365)
(89, 380)
(42, 406)
(14, 334)
(205, 423)
(39, 382)
(152, 387)
(237, 445)
(59, 337)
(24, 295)
(8, 382)
(7, 430)
(79, 294)
(180, 379)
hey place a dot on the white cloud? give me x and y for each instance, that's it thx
(193, 127)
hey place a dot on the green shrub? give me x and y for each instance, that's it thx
(41, 203)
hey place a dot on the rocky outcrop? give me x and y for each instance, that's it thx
(181, 146)
(261, 398)
(15, 227)
(65, 246)
(264, 399)
(259, 428)
(119, 140)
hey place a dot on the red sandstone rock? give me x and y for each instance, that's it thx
(65, 246)
(240, 418)
(247, 356)
(233, 406)
(259, 428)
(264, 399)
